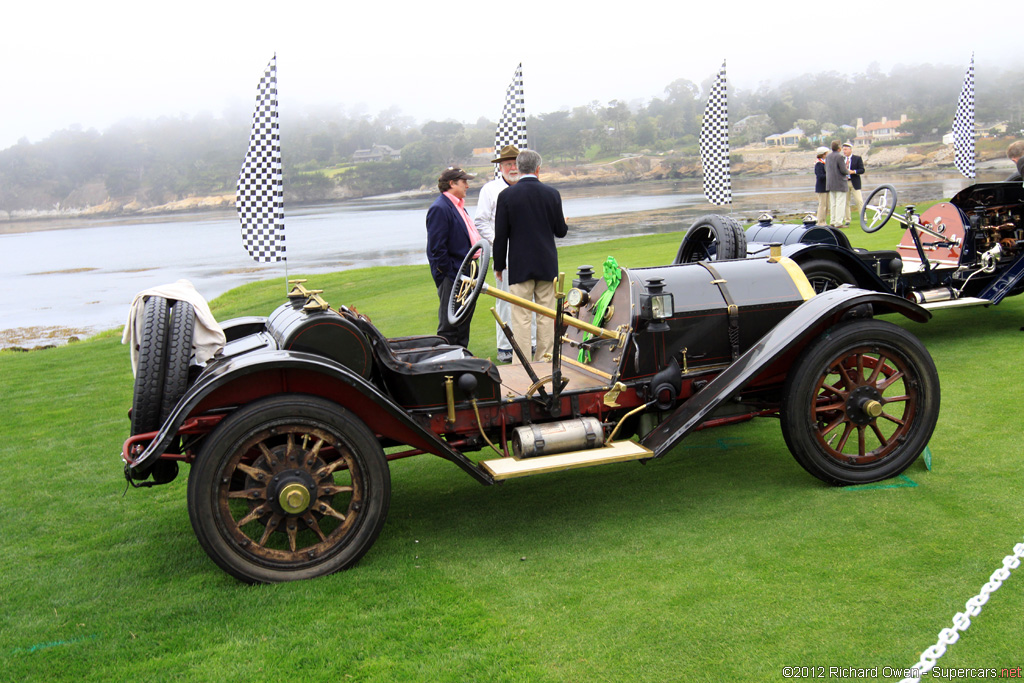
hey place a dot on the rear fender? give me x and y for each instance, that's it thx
(796, 330)
(249, 377)
(865, 277)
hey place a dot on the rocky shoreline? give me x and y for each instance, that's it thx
(746, 161)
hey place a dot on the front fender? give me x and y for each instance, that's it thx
(246, 378)
(796, 329)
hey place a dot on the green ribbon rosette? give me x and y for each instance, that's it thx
(612, 277)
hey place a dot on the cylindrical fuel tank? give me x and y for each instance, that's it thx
(325, 333)
(557, 437)
(790, 234)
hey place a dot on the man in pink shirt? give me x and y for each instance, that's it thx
(450, 234)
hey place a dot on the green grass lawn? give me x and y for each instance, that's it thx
(723, 561)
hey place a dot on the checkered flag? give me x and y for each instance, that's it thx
(512, 126)
(714, 143)
(260, 198)
(963, 126)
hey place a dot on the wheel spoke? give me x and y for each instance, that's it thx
(254, 472)
(843, 371)
(892, 418)
(270, 528)
(254, 514)
(842, 395)
(249, 494)
(845, 437)
(267, 453)
(292, 530)
(289, 449)
(328, 510)
(331, 489)
(833, 425)
(829, 407)
(312, 524)
(327, 470)
(888, 382)
(878, 433)
(861, 446)
(873, 379)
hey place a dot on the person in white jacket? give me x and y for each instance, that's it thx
(484, 221)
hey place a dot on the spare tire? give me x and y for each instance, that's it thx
(713, 238)
(179, 356)
(149, 376)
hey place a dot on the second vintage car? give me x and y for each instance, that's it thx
(965, 252)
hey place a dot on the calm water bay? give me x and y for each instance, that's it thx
(82, 277)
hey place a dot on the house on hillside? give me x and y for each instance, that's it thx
(790, 137)
(982, 130)
(376, 153)
(877, 131)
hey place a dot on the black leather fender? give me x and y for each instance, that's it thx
(248, 377)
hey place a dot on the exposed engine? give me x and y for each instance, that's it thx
(997, 219)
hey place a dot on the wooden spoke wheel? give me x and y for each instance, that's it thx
(860, 403)
(291, 487)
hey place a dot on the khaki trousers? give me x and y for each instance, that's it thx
(837, 208)
(856, 200)
(822, 208)
(543, 293)
(504, 310)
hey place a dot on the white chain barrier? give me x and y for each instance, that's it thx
(961, 620)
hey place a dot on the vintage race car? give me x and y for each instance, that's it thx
(965, 252)
(289, 428)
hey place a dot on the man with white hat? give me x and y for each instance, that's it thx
(484, 222)
(855, 166)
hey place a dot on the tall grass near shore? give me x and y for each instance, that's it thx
(722, 561)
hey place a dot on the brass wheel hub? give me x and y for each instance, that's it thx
(294, 498)
(292, 491)
(864, 405)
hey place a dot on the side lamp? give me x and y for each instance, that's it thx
(655, 305)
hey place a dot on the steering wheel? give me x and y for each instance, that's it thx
(880, 212)
(468, 282)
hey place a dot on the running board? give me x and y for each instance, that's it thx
(620, 451)
(956, 303)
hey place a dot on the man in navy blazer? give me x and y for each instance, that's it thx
(856, 166)
(450, 234)
(527, 220)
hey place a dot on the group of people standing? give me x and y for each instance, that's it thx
(837, 183)
(521, 217)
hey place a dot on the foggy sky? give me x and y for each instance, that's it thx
(93, 65)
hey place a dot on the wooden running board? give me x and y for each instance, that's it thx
(619, 451)
(956, 303)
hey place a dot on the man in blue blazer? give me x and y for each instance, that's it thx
(527, 220)
(450, 234)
